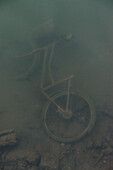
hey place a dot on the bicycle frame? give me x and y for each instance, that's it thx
(48, 66)
(53, 83)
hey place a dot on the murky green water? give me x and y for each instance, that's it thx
(88, 55)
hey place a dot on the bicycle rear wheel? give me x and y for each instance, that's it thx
(74, 127)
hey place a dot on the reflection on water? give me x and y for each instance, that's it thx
(27, 25)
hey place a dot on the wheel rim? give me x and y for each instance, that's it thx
(71, 138)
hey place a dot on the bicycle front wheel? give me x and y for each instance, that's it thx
(67, 129)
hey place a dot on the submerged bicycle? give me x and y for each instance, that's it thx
(69, 115)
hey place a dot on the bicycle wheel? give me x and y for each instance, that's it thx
(71, 128)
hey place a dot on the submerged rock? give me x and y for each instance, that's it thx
(21, 160)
